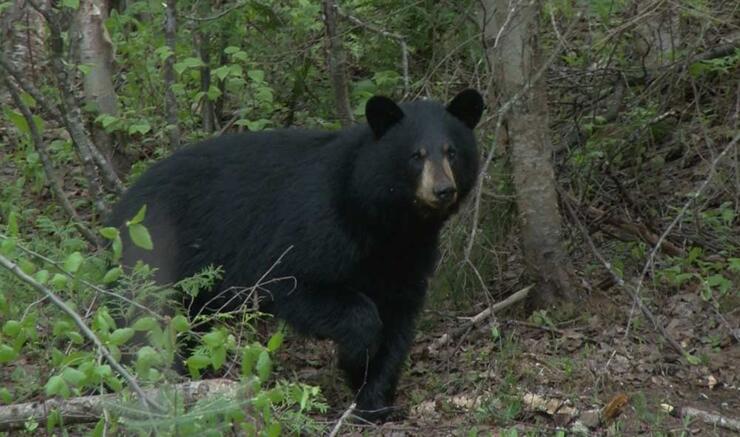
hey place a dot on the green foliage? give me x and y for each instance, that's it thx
(74, 368)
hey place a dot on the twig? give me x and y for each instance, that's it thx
(341, 420)
(13, 268)
(478, 318)
(51, 176)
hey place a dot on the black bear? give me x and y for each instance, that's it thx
(352, 216)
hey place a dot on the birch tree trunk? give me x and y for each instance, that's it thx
(511, 34)
(337, 61)
(96, 51)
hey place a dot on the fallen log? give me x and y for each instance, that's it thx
(87, 409)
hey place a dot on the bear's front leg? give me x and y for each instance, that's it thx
(350, 319)
(374, 381)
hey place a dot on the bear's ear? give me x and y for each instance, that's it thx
(467, 107)
(382, 113)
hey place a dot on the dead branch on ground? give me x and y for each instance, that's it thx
(87, 409)
(478, 318)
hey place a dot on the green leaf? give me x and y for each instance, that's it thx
(13, 229)
(692, 359)
(73, 262)
(218, 357)
(5, 396)
(61, 327)
(7, 353)
(197, 362)
(106, 120)
(256, 75)
(145, 324)
(117, 248)
(71, 4)
(56, 386)
(139, 217)
(17, 119)
(11, 328)
(214, 339)
(141, 127)
(274, 429)
(163, 53)
(112, 275)
(7, 246)
(275, 341)
(85, 69)
(58, 280)
(180, 323)
(27, 266)
(41, 276)
(146, 357)
(140, 236)
(187, 63)
(221, 72)
(249, 358)
(99, 430)
(264, 366)
(109, 233)
(121, 336)
(73, 376)
(735, 264)
(213, 93)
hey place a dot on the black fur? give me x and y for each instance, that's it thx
(357, 248)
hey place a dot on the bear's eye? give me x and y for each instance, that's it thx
(418, 155)
(451, 153)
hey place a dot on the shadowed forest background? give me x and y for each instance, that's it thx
(589, 285)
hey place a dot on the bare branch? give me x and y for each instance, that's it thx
(340, 422)
(478, 318)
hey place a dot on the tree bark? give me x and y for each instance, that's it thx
(170, 101)
(337, 62)
(96, 51)
(513, 52)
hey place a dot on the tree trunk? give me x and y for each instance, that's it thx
(170, 101)
(337, 62)
(513, 54)
(96, 51)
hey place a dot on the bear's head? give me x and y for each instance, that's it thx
(426, 158)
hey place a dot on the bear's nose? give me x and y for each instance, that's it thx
(445, 193)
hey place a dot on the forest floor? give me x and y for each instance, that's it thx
(542, 378)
